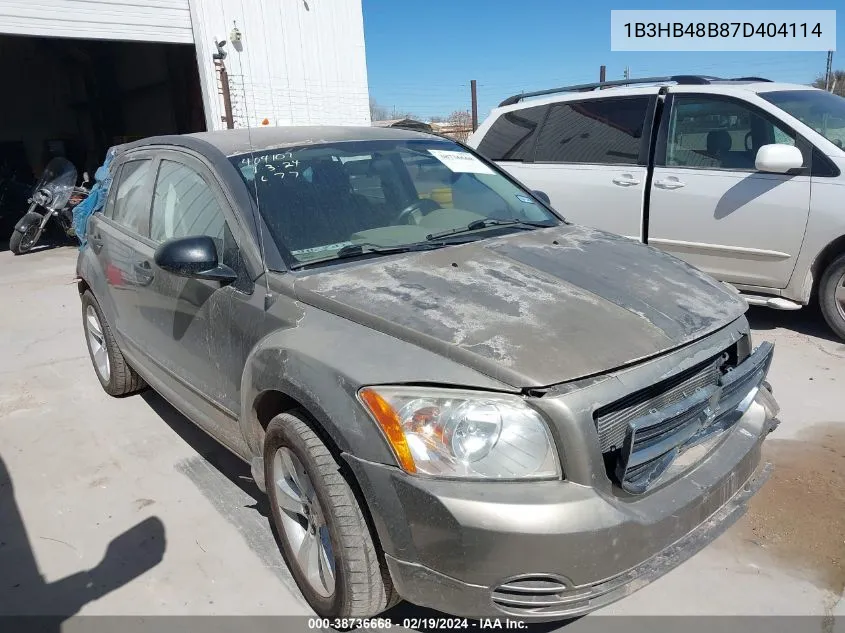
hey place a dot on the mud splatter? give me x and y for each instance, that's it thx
(798, 518)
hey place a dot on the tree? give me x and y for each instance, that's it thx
(461, 118)
(377, 112)
(837, 77)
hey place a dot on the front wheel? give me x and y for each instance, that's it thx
(22, 241)
(322, 532)
(832, 296)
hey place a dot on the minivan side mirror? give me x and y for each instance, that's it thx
(778, 158)
(543, 196)
(194, 257)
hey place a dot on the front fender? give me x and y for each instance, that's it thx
(328, 395)
(321, 360)
(28, 219)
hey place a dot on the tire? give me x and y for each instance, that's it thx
(362, 586)
(118, 379)
(18, 243)
(833, 308)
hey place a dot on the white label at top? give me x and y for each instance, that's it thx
(722, 30)
(460, 162)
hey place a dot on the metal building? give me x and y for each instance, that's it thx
(81, 75)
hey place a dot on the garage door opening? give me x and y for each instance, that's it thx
(76, 98)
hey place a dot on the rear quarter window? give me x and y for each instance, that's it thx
(511, 135)
(598, 131)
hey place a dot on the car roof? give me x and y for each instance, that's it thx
(640, 89)
(244, 140)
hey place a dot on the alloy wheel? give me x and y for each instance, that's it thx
(304, 522)
(97, 343)
(839, 296)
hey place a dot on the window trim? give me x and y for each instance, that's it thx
(645, 139)
(801, 142)
(139, 156)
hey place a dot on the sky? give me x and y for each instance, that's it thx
(422, 55)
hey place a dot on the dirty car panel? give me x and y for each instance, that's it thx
(636, 374)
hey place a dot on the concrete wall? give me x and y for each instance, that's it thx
(302, 61)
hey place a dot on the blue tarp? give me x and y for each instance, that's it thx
(95, 200)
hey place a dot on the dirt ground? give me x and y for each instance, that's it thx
(122, 506)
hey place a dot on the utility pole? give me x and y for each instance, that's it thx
(603, 74)
(828, 72)
(474, 96)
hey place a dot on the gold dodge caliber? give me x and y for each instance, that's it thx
(450, 394)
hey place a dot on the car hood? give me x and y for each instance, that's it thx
(531, 308)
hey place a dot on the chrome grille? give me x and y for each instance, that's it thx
(642, 434)
(612, 422)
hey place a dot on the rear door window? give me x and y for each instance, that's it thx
(598, 131)
(511, 135)
(131, 206)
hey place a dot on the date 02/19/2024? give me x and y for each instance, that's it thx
(722, 29)
(442, 624)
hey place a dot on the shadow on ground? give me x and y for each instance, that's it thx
(24, 590)
(807, 320)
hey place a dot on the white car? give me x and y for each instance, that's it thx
(742, 178)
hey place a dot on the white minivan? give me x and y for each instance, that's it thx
(742, 178)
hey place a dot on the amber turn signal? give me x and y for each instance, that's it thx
(388, 420)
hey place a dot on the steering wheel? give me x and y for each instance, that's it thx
(424, 206)
(747, 139)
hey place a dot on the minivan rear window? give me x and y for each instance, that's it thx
(599, 131)
(510, 136)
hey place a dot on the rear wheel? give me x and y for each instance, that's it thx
(832, 296)
(21, 242)
(114, 373)
(322, 532)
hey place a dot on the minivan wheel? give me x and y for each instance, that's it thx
(113, 372)
(322, 532)
(832, 296)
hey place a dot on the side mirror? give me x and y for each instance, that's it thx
(194, 257)
(543, 196)
(778, 159)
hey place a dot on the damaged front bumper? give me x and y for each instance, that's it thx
(556, 549)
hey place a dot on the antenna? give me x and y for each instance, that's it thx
(268, 297)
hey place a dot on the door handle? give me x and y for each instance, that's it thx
(670, 183)
(143, 272)
(96, 242)
(626, 180)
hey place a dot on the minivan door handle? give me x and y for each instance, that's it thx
(626, 180)
(670, 183)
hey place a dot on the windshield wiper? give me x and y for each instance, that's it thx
(362, 250)
(524, 225)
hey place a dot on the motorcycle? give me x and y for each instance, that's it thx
(54, 196)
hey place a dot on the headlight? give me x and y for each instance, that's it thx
(463, 434)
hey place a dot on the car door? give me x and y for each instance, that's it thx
(591, 158)
(118, 236)
(708, 203)
(189, 327)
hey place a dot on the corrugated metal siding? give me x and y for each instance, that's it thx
(139, 20)
(303, 61)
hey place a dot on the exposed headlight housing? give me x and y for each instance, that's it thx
(463, 434)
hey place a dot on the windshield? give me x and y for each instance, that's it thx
(59, 179)
(382, 196)
(822, 111)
